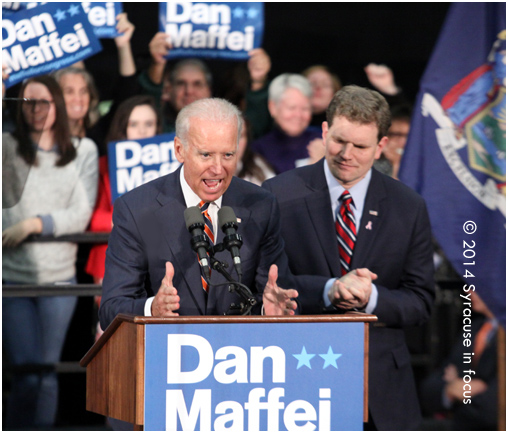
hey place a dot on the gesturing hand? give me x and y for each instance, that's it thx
(277, 301)
(166, 301)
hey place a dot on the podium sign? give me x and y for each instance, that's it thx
(254, 376)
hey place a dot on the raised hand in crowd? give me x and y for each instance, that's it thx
(381, 77)
(259, 66)
(127, 66)
(159, 47)
(5, 75)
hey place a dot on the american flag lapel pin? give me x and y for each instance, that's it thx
(373, 212)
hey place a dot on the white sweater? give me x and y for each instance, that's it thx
(67, 194)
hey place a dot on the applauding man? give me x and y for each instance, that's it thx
(370, 235)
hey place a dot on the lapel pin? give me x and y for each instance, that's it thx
(369, 225)
(373, 212)
(238, 220)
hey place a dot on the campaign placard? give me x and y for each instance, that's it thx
(227, 30)
(132, 163)
(8, 8)
(42, 39)
(102, 17)
(254, 377)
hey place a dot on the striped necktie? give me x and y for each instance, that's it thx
(346, 230)
(209, 233)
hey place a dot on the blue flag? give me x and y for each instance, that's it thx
(132, 163)
(45, 38)
(210, 29)
(455, 156)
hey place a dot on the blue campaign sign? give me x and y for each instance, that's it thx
(102, 17)
(254, 377)
(132, 163)
(226, 30)
(40, 40)
(8, 8)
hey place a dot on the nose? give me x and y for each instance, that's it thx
(346, 151)
(216, 166)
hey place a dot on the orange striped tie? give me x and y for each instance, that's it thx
(209, 232)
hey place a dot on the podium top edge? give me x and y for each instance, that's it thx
(321, 318)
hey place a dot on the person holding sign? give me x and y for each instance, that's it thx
(151, 268)
(57, 199)
(190, 80)
(135, 119)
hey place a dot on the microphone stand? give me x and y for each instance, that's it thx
(235, 286)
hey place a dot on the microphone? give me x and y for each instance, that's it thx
(232, 240)
(199, 242)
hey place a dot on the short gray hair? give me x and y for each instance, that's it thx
(288, 81)
(214, 109)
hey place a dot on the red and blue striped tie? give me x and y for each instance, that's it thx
(346, 230)
(209, 232)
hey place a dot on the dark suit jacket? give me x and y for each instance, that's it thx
(149, 229)
(397, 248)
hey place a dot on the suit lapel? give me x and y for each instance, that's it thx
(171, 219)
(374, 214)
(320, 214)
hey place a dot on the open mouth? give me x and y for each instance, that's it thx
(212, 184)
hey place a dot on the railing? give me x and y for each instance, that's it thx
(35, 290)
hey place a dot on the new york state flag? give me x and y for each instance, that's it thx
(455, 156)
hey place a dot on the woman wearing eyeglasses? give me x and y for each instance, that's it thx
(54, 195)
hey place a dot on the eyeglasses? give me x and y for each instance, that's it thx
(30, 104)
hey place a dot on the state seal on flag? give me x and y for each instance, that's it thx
(472, 128)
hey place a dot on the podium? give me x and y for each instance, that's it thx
(232, 372)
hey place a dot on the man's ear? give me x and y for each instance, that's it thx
(380, 146)
(179, 150)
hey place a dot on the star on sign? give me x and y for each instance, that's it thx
(330, 358)
(304, 358)
(252, 13)
(73, 10)
(238, 12)
(60, 15)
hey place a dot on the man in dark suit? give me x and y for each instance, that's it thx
(151, 268)
(389, 239)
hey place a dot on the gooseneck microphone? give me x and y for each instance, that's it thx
(232, 240)
(195, 223)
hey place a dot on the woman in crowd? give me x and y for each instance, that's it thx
(81, 96)
(135, 119)
(289, 103)
(251, 166)
(56, 197)
(324, 85)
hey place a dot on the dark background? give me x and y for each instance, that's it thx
(343, 36)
